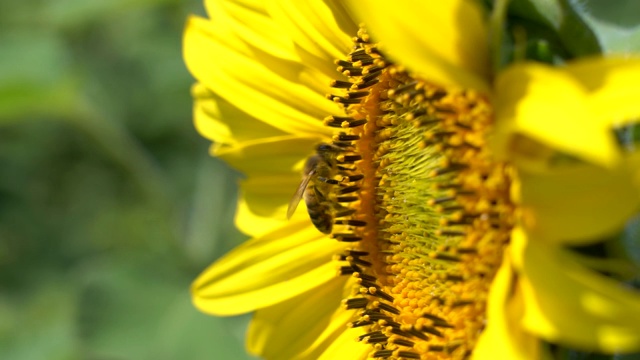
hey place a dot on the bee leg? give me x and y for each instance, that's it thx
(319, 195)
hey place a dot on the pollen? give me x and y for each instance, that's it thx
(423, 204)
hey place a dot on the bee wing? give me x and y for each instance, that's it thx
(295, 199)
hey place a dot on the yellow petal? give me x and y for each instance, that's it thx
(219, 121)
(288, 329)
(612, 87)
(272, 168)
(258, 27)
(254, 225)
(263, 210)
(441, 41)
(552, 107)
(267, 270)
(578, 203)
(569, 304)
(344, 346)
(338, 336)
(266, 88)
(275, 155)
(268, 195)
(504, 334)
(314, 29)
(251, 23)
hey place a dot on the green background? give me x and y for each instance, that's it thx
(109, 203)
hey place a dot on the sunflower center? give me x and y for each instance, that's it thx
(427, 210)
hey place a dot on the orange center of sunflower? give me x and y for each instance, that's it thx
(427, 210)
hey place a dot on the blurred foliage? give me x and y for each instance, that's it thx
(617, 26)
(555, 27)
(555, 31)
(109, 203)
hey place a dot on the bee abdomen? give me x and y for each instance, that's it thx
(321, 217)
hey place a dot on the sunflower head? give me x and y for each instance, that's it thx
(431, 212)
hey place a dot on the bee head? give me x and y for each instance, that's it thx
(312, 163)
(325, 148)
(328, 152)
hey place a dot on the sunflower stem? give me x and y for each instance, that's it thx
(496, 31)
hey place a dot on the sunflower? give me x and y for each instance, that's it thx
(447, 199)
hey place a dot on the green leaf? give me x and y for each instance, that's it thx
(555, 21)
(617, 26)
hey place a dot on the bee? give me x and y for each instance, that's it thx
(315, 187)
